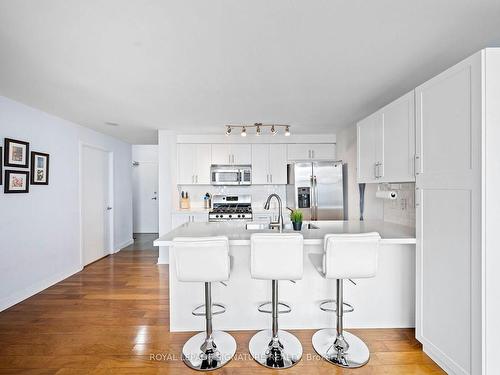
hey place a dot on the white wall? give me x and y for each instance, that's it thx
(147, 153)
(40, 231)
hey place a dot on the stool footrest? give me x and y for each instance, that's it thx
(286, 309)
(221, 310)
(323, 306)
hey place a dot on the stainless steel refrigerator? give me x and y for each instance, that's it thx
(317, 189)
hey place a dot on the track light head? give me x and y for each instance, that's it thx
(244, 132)
(228, 130)
(287, 131)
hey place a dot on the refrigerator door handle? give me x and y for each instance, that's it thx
(312, 197)
(315, 187)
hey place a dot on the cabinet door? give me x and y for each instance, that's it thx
(299, 151)
(260, 164)
(203, 161)
(186, 161)
(200, 218)
(398, 145)
(241, 154)
(277, 163)
(179, 218)
(448, 216)
(221, 153)
(323, 151)
(366, 149)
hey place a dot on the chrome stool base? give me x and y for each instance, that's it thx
(356, 355)
(284, 353)
(206, 355)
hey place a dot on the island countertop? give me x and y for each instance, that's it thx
(239, 236)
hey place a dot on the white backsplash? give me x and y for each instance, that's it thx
(402, 209)
(259, 193)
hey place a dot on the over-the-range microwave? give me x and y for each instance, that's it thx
(231, 174)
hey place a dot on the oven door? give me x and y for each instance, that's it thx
(225, 176)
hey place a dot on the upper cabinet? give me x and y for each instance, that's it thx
(318, 151)
(225, 153)
(386, 143)
(193, 163)
(269, 163)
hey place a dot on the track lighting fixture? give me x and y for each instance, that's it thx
(273, 128)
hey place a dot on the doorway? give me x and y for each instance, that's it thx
(145, 188)
(96, 203)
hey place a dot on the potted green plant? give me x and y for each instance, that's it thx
(296, 218)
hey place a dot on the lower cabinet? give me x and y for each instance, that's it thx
(180, 218)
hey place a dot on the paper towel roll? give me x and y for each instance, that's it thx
(386, 194)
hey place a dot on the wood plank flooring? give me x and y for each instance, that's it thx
(112, 318)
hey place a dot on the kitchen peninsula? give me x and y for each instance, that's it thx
(388, 300)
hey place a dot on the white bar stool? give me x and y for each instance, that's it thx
(205, 259)
(346, 256)
(276, 256)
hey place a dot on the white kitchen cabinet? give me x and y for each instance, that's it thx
(269, 164)
(180, 218)
(317, 151)
(458, 215)
(386, 143)
(226, 153)
(193, 163)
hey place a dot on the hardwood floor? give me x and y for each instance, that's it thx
(112, 318)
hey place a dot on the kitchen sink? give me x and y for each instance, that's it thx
(266, 226)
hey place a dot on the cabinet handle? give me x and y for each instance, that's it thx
(309, 154)
(417, 197)
(312, 153)
(271, 178)
(232, 156)
(196, 178)
(267, 178)
(417, 164)
(192, 178)
(375, 170)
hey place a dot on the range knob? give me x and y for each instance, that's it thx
(239, 215)
(242, 216)
(230, 216)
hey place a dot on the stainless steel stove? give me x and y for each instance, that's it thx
(231, 207)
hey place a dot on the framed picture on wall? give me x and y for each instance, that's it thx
(16, 181)
(39, 168)
(16, 153)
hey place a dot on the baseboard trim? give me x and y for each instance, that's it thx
(30, 291)
(443, 361)
(123, 245)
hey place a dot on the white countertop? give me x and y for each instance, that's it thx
(238, 235)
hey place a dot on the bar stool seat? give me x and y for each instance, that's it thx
(276, 256)
(205, 259)
(346, 256)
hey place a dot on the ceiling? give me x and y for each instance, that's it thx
(194, 65)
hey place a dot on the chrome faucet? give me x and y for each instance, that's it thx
(280, 223)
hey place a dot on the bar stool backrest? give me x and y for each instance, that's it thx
(277, 256)
(201, 259)
(351, 256)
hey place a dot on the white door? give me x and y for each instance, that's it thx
(323, 151)
(186, 161)
(277, 163)
(299, 151)
(221, 153)
(366, 149)
(399, 140)
(241, 154)
(145, 197)
(260, 164)
(96, 204)
(202, 163)
(448, 217)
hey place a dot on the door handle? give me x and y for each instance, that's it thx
(109, 208)
(154, 198)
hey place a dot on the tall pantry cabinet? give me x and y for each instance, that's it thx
(457, 168)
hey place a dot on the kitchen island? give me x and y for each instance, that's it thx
(386, 301)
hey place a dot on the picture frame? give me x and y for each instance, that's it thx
(16, 153)
(39, 168)
(16, 181)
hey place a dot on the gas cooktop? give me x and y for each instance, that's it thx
(231, 207)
